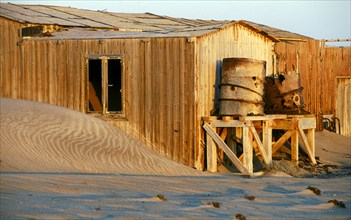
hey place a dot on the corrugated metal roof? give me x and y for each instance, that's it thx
(277, 33)
(122, 25)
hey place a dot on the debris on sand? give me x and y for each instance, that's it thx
(251, 198)
(337, 203)
(240, 217)
(161, 197)
(214, 204)
(314, 190)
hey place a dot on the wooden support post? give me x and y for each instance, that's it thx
(295, 147)
(247, 150)
(231, 140)
(211, 153)
(310, 138)
(267, 140)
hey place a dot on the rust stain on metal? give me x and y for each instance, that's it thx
(242, 86)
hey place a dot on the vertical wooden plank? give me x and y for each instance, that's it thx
(162, 96)
(169, 92)
(295, 147)
(24, 75)
(247, 150)
(35, 81)
(194, 119)
(343, 103)
(311, 141)
(231, 140)
(320, 86)
(267, 140)
(43, 69)
(211, 152)
(51, 52)
(39, 59)
(175, 80)
(156, 98)
(3, 64)
(182, 102)
(148, 89)
(61, 60)
(83, 76)
(77, 80)
(140, 62)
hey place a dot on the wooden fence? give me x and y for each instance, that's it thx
(319, 67)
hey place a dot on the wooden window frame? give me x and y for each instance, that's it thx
(104, 85)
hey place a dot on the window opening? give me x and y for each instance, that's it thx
(114, 85)
(105, 89)
(32, 31)
(95, 85)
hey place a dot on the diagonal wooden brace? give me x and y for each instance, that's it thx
(221, 144)
(309, 148)
(260, 146)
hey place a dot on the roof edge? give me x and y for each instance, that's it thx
(257, 30)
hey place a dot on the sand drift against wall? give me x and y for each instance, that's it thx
(38, 137)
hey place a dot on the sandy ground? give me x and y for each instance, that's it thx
(60, 164)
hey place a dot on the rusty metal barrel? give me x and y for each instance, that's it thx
(242, 87)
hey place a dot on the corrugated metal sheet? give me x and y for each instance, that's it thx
(274, 32)
(163, 26)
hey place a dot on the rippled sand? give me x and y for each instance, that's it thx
(38, 137)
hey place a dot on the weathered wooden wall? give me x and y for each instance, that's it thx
(234, 41)
(343, 103)
(9, 58)
(158, 76)
(319, 67)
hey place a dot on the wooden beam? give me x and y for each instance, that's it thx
(308, 148)
(283, 124)
(311, 138)
(262, 118)
(211, 153)
(281, 141)
(339, 40)
(224, 134)
(226, 124)
(267, 140)
(231, 140)
(93, 99)
(225, 148)
(260, 145)
(295, 147)
(247, 150)
(307, 123)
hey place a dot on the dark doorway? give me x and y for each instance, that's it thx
(95, 85)
(114, 85)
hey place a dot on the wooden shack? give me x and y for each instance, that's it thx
(152, 76)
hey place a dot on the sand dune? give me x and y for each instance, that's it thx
(38, 137)
(60, 164)
(333, 148)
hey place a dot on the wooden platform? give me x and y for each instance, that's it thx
(248, 130)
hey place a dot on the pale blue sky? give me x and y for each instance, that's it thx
(328, 19)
